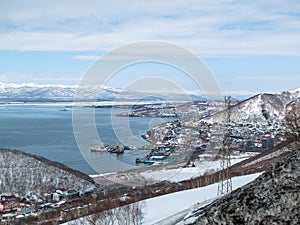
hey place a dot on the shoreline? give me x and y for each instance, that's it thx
(82, 103)
(172, 172)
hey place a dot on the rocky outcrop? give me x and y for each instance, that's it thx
(273, 198)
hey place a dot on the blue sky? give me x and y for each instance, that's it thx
(251, 46)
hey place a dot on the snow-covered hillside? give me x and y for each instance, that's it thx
(171, 208)
(293, 93)
(23, 174)
(260, 108)
(204, 165)
(273, 198)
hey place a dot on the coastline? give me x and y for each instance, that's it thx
(80, 104)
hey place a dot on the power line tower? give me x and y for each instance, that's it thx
(225, 185)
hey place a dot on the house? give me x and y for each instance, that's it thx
(8, 198)
(64, 194)
(62, 191)
(8, 205)
(267, 143)
(56, 196)
(72, 194)
(47, 196)
(25, 211)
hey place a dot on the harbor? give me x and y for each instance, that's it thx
(118, 149)
(160, 155)
(157, 155)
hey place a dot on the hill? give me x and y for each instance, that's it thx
(273, 198)
(262, 108)
(25, 174)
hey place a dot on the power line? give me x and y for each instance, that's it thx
(225, 185)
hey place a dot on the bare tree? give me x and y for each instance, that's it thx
(131, 214)
(137, 212)
(292, 120)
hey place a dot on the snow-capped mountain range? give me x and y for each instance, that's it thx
(266, 105)
(30, 92)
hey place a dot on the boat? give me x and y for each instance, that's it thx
(98, 148)
(149, 161)
(118, 150)
(140, 160)
(63, 110)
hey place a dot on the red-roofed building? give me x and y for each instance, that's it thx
(8, 205)
(8, 198)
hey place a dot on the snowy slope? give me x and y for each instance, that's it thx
(168, 209)
(159, 209)
(202, 166)
(22, 174)
(294, 93)
(260, 108)
(273, 198)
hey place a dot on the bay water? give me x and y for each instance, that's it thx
(46, 130)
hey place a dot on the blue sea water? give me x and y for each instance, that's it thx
(47, 131)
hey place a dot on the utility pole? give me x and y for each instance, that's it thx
(225, 185)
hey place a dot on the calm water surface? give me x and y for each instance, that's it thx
(47, 131)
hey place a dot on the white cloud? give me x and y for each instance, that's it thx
(86, 57)
(210, 28)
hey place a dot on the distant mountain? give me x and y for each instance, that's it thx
(30, 92)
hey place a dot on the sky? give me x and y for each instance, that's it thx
(250, 46)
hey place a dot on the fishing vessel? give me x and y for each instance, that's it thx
(98, 148)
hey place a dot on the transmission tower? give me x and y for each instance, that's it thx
(225, 185)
